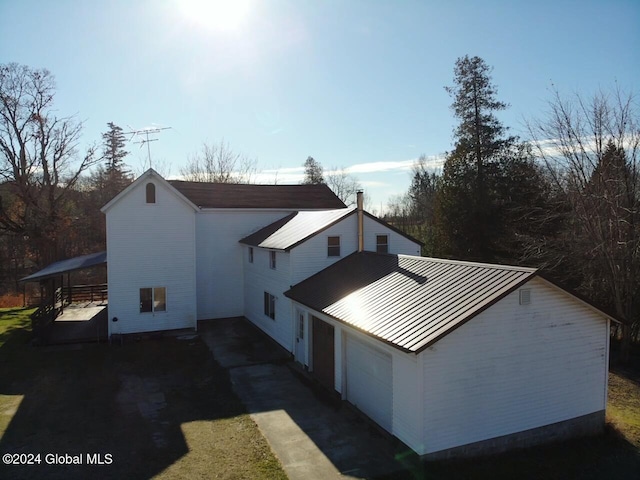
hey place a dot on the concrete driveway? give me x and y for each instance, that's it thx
(314, 435)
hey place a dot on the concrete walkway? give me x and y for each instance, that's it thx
(314, 435)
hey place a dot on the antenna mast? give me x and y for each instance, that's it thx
(145, 132)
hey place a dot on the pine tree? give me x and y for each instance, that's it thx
(467, 195)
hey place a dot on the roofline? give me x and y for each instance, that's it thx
(313, 234)
(580, 298)
(474, 314)
(38, 278)
(318, 232)
(364, 332)
(149, 173)
(391, 227)
(470, 263)
(271, 209)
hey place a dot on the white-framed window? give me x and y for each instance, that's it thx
(269, 305)
(250, 254)
(150, 193)
(153, 299)
(272, 259)
(333, 246)
(382, 243)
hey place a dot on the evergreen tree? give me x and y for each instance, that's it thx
(468, 219)
(313, 172)
(113, 177)
(114, 152)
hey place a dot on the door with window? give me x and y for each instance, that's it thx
(301, 345)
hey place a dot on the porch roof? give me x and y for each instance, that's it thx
(76, 263)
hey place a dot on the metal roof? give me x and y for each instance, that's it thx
(409, 302)
(295, 228)
(231, 195)
(76, 263)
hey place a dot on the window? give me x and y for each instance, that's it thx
(250, 254)
(151, 193)
(525, 297)
(272, 260)
(382, 243)
(153, 299)
(333, 246)
(270, 305)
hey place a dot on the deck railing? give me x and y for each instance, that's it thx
(85, 293)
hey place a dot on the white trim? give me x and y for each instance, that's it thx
(151, 173)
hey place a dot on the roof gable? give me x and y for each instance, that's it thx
(409, 302)
(231, 195)
(149, 175)
(295, 228)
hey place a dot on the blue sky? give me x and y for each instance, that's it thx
(356, 84)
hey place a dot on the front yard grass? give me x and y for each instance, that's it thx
(162, 408)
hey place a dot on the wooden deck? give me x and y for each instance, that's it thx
(80, 322)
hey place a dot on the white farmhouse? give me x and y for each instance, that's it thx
(453, 358)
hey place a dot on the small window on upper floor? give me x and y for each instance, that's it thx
(382, 243)
(151, 193)
(333, 246)
(272, 260)
(250, 254)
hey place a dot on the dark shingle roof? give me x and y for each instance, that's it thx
(409, 302)
(231, 195)
(295, 228)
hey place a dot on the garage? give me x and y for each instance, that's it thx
(369, 380)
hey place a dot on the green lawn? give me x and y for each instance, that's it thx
(161, 408)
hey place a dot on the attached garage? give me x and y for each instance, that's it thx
(458, 358)
(369, 382)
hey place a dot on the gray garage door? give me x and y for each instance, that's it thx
(369, 381)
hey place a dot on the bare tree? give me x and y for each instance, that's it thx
(218, 163)
(38, 158)
(590, 149)
(343, 184)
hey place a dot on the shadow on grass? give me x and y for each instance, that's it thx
(132, 402)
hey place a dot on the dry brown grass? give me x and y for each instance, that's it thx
(163, 408)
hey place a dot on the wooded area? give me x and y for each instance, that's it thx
(567, 200)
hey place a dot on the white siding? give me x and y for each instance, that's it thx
(260, 278)
(311, 256)
(151, 245)
(407, 399)
(515, 367)
(219, 258)
(369, 379)
(398, 244)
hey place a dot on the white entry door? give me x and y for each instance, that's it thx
(301, 337)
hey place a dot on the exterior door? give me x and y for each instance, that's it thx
(300, 337)
(323, 353)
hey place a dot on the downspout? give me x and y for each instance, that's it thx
(360, 201)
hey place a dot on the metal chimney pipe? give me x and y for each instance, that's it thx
(360, 202)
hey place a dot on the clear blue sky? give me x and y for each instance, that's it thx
(352, 83)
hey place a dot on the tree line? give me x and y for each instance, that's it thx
(566, 201)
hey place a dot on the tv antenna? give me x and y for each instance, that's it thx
(143, 135)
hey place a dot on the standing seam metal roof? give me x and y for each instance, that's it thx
(76, 263)
(409, 302)
(295, 228)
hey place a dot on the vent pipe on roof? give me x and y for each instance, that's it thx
(360, 201)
